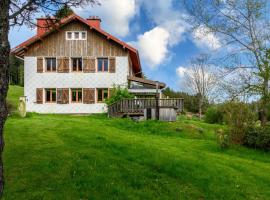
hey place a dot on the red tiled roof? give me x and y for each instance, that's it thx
(134, 54)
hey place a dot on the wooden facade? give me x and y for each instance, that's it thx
(96, 44)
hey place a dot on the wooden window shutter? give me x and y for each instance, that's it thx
(39, 65)
(112, 65)
(63, 65)
(89, 65)
(88, 95)
(63, 96)
(39, 95)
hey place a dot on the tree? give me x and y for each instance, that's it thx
(200, 79)
(14, 70)
(16, 13)
(117, 93)
(244, 26)
(190, 100)
(63, 12)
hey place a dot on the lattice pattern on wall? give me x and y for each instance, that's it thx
(35, 80)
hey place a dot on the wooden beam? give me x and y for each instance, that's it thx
(146, 81)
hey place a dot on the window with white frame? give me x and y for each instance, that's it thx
(76, 35)
(50, 64)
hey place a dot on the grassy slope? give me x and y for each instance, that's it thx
(13, 95)
(93, 157)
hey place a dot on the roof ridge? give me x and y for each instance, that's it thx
(69, 18)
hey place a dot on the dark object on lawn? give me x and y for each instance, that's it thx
(200, 130)
(137, 118)
(178, 129)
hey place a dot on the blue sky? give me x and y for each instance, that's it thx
(156, 28)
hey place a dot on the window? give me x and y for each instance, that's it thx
(83, 35)
(76, 35)
(76, 95)
(69, 35)
(103, 65)
(50, 64)
(102, 95)
(77, 64)
(50, 95)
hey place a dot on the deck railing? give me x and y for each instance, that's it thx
(137, 106)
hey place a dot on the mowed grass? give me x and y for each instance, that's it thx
(13, 97)
(93, 157)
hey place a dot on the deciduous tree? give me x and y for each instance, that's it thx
(16, 13)
(244, 27)
(200, 79)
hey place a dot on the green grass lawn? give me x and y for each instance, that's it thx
(13, 96)
(93, 157)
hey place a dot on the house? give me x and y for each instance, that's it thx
(71, 65)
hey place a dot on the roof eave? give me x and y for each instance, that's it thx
(62, 22)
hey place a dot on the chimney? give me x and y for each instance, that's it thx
(94, 21)
(43, 25)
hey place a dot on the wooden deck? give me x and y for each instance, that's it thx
(137, 106)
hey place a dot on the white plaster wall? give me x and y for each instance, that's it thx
(33, 80)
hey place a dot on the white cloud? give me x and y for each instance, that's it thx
(115, 14)
(153, 46)
(169, 28)
(180, 71)
(205, 39)
(163, 14)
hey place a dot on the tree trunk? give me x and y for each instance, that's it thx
(4, 67)
(200, 107)
(265, 102)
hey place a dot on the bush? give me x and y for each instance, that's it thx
(239, 118)
(214, 115)
(117, 94)
(258, 137)
(223, 138)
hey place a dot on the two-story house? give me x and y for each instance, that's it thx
(70, 67)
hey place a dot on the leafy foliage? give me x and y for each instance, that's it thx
(214, 115)
(118, 93)
(223, 138)
(239, 118)
(190, 101)
(64, 11)
(15, 71)
(258, 137)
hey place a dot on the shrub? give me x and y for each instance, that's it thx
(258, 137)
(117, 94)
(223, 138)
(214, 115)
(239, 118)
